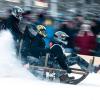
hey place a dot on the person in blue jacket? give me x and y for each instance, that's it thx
(50, 30)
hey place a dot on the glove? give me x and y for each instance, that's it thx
(68, 70)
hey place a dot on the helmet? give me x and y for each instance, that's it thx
(17, 12)
(41, 30)
(61, 35)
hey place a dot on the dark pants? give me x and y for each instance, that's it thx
(57, 52)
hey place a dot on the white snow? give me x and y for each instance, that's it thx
(24, 89)
(16, 83)
(9, 64)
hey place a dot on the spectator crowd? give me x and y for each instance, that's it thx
(84, 34)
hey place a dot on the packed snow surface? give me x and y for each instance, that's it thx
(16, 83)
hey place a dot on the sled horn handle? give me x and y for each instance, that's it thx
(46, 59)
(92, 61)
(78, 71)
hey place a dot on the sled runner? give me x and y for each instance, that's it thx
(53, 74)
(59, 75)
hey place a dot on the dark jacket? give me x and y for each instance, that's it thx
(12, 23)
(33, 44)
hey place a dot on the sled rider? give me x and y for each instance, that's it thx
(12, 24)
(72, 59)
(34, 45)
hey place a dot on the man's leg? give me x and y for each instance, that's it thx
(57, 52)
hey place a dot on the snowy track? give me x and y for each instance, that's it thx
(23, 89)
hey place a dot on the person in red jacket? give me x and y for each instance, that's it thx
(85, 40)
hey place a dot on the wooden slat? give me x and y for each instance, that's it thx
(74, 70)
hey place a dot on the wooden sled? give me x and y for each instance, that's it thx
(51, 73)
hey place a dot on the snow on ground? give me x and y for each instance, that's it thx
(25, 89)
(92, 80)
(16, 83)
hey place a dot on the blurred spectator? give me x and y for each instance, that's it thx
(85, 41)
(97, 53)
(79, 20)
(8, 12)
(50, 30)
(27, 14)
(95, 26)
(40, 18)
(70, 29)
(27, 19)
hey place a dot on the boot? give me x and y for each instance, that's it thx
(96, 69)
(65, 78)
